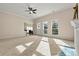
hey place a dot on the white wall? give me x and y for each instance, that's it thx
(12, 25)
(63, 17)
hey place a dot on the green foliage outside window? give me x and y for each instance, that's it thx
(55, 29)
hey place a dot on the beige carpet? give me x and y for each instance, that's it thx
(29, 46)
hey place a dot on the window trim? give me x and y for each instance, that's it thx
(55, 21)
(45, 22)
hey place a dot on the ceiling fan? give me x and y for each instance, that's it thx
(31, 10)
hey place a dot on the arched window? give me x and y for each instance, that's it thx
(55, 28)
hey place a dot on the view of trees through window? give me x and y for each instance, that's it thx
(55, 28)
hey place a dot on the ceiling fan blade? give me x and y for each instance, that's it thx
(30, 8)
(34, 9)
(34, 12)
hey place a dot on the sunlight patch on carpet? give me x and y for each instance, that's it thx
(44, 48)
(60, 42)
(45, 38)
(67, 51)
(20, 48)
(28, 44)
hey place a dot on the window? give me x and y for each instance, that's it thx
(38, 25)
(45, 27)
(55, 28)
(29, 28)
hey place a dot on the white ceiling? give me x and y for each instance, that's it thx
(42, 8)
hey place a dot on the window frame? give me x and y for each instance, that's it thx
(45, 22)
(55, 21)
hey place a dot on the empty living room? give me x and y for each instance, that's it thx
(39, 29)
